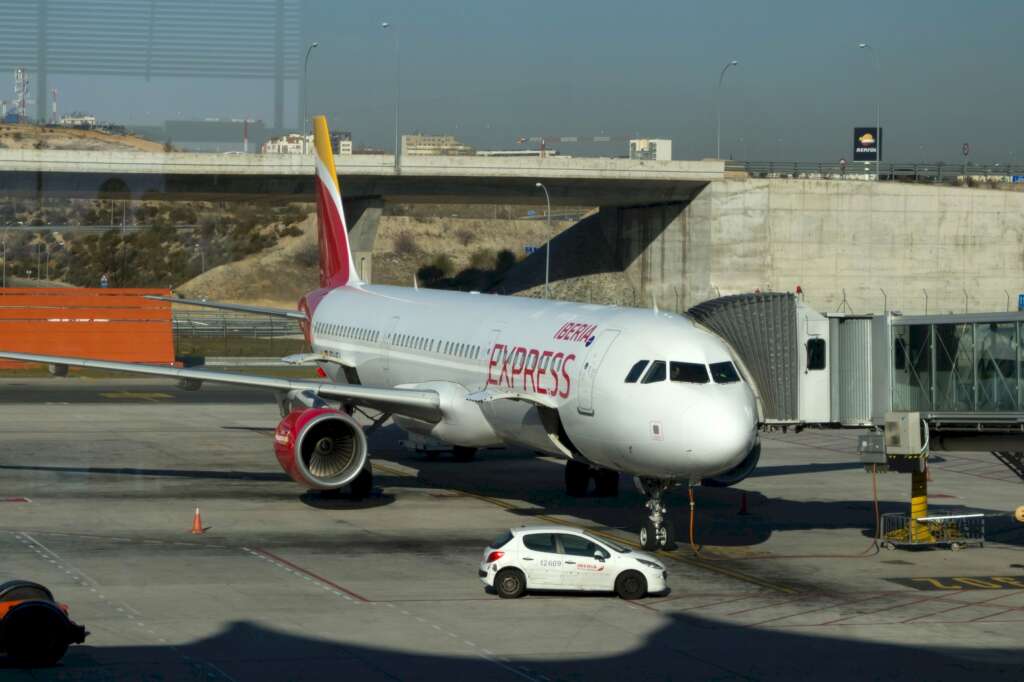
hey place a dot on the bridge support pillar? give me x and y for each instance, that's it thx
(660, 252)
(363, 217)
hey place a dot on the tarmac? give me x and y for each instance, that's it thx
(99, 479)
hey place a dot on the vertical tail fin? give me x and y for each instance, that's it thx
(336, 265)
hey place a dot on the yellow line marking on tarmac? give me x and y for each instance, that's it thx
(133, 395)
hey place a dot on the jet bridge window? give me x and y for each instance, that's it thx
(636, 371)
(724, 373)
(688, 372)
(815, 354)
(655, 374)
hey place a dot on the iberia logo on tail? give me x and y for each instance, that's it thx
(336, 266)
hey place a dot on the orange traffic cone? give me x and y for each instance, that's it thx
(743, 505)
(197, 523)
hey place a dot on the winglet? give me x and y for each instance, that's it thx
(337, 268)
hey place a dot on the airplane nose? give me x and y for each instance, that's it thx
(728, 430)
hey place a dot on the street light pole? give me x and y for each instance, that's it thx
(305, 96)
(878, 125)
(718, 107)
(398, 91)
(547, 244)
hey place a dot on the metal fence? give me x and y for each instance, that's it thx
(215, 323)
(941, 172)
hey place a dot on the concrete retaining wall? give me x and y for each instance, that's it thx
(826, 236)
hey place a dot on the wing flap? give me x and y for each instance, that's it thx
(413, 403)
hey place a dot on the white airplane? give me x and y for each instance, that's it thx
(611, 389)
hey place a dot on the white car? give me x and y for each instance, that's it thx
(566, 558)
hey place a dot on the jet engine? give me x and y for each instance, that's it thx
(321, 448)
(738, 472)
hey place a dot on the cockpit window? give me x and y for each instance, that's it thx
(724, 373)
(655, 373)
(689, 372)
(635, 373)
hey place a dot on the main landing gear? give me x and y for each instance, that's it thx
(658, 531)
(578, 475)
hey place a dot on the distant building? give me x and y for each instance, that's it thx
(78, 120)
(650, 150)
(434, 145)
(341, 144)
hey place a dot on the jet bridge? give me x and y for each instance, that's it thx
(961, 373)
(920, 382)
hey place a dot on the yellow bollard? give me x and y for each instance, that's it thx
(919, 507)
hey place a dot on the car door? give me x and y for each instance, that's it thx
(581, 569)
(541, 561)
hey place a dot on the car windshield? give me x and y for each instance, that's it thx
(621, 549)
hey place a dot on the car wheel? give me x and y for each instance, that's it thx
(510, 583)
(631, 585)
(36, 634)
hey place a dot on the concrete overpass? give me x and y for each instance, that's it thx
(421, 179)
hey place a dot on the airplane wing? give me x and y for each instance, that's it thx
(417, 404)
(276, 312)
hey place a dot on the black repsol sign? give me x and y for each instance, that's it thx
(867, 144)
(986, 582)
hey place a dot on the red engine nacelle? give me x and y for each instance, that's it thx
(320, 448)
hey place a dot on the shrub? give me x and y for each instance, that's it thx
(482, 259)
(465, 236)
(406, 245)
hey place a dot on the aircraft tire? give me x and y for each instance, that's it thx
(577, 478)
(362, 485)
(463, 454)
(606, 483)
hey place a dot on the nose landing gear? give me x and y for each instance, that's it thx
(658, 531)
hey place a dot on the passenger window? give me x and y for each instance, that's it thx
(688, 372)
(655, 373)
(724, 373)
(540, 542)
(574, 545)
(635, 372)
(816, 354)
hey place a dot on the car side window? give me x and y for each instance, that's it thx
(540, 542)
(577, 546)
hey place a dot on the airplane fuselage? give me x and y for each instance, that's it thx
(545, 375)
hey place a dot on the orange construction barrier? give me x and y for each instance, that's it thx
(100, 324)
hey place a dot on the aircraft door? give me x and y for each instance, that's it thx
(588, 372)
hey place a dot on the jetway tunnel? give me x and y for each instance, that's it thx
(962, 373)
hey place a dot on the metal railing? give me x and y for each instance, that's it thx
(215, 323)
(940, 172)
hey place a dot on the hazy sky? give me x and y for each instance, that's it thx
(492, 71)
